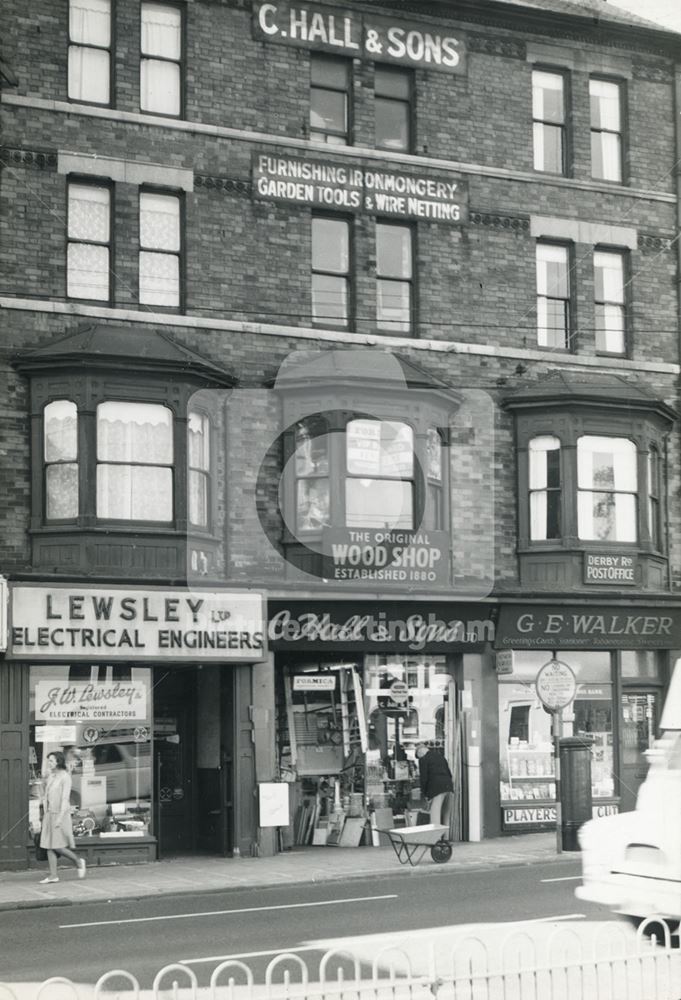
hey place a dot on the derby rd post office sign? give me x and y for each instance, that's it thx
(115, 623)
(354, 188)
(360, 35)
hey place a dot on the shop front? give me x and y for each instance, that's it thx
(620, 657)
(146, 692)
(357, 687)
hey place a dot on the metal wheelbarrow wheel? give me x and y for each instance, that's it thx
(441, 852)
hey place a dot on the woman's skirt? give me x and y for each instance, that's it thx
(54, 834)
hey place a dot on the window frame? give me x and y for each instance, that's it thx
(654, 470)
(347, 276)
(568, 302)
(622, 103)
(388, 327)
(47, 464)
(409, 103)
(208, 474)
(436, 489)
(547, 490)
(594, 489)
(543, 123)
(625, 259)
(315, 134)
(181, 63)
(110, 49)
(348, 476)
(97, 463)
(105, 184)
(180, 254)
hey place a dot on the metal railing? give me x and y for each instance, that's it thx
(609, 964)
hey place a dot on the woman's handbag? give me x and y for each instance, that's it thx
(40, 852)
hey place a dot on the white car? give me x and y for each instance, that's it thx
(632, 862)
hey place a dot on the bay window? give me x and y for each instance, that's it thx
(607, 489)
(134, 462)
(161, 59)
(89, 58)
(544, 488)
(60, 437)
(198, 455)
(434, 479)
(654, 491)
(379, 485)
(312, 476)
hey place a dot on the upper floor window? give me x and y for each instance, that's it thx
(161, 59)
(198, 454)
(553, 295)
(60, 454)
(134, 461)
(435, 472)
(393, 108)
(545, 488)
(606, 129)
(607, 489)
(379, 483)
(394, 277)
(548, 114)
(160, 249)
(610, 302)
(88, 253)
(311, 476)
(330, 271)
(654, 492)
(89, 74)
(330, 99)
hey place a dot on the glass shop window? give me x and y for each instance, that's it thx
(99, 717)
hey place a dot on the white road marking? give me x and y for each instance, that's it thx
(318, 947)
(565, 878)
(221, 913)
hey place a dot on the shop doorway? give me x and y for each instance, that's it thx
(193, 759)
(640, 719)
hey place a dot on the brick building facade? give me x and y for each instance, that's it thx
(247, 251)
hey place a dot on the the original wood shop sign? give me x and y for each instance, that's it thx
(360, 188)
(360, 35)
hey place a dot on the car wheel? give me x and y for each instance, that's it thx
(656, 928)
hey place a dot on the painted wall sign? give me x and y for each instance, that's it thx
(386, 557)
(135, 623)
(90, 701)
(601, 567)
(588, 627)
(350, 187)
(348, 625)
(314, 682)
(360, 35)
(504, 661)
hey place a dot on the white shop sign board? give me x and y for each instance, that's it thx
(273, 800)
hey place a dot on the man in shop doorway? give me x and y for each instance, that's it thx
(435, 779)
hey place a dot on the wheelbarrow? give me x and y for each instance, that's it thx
(410, 843)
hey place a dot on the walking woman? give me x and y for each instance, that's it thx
(56, 835)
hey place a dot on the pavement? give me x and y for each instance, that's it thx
(192, 874)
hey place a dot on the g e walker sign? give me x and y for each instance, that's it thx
(359, 35)
(588, 627)
(135, 624)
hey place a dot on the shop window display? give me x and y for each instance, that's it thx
(100, 718)
(526, 728)
(347, 738)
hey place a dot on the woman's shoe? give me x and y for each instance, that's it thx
(82, 867)
(47, 878)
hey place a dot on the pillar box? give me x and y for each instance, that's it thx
(575, 787)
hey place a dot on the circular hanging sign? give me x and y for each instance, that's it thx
(399, 692)
(556, 685)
